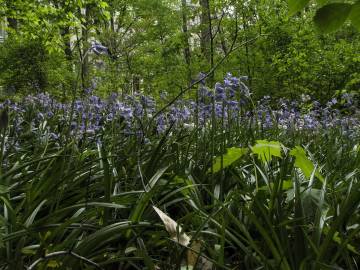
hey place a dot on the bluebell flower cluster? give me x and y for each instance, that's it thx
(228, 102)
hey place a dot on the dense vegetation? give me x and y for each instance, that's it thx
(163, 45)
(131, 139)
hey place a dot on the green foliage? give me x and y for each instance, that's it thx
(223, 161)
(330, 17)
(147, 44)
(296, 5)
(90, 201)
(304, 163)
(354, 15)
(266, 150)
(26, 67)
(22, 66)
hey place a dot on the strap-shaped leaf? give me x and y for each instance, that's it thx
(330, 17)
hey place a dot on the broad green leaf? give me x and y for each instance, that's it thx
(354, 15)
(330, 17)
(304, 163)
(322, 2)
(296, 5)
(232, 155)
(266, 150)
(103, 4)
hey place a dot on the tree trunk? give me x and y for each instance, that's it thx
(187, 54)
(247, 54)
(206, 40)
(65, 34)
(85, 48)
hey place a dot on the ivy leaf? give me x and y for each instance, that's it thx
(266, 150)
(354, 15)
(296, 5)
(232, 155)
(330, 17)
(304, 163)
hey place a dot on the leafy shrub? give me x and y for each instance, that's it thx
(26, 67)
(22, 66)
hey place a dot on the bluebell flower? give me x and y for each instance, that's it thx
(126, 112)
(220, 93)
(160, 124)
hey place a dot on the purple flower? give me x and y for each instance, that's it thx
(220, 93)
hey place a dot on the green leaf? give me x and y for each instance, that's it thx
(296, 5)
(266, 150)
(354, 15)
(4, 189)
(322, 2)
(304, 163)
(286, 185)
(232, 155)
(330, 17)
(32, 216)
(338, 240)
(103, 4)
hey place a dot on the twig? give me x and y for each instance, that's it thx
(183, 91)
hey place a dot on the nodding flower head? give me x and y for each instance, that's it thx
(220, 92)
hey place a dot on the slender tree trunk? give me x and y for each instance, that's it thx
(206, 40)
(245, 27)
(222, 40)
(187, 53)
(85, 47)
(65, 34)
